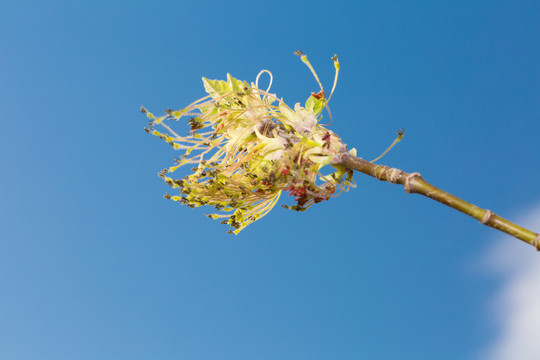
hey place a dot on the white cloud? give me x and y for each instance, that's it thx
(515, 307)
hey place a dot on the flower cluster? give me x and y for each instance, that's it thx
(247, 146)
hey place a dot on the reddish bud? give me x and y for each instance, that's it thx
(320, 95)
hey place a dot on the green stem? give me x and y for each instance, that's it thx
(414, 183)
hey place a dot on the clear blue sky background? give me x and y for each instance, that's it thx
(95, 264)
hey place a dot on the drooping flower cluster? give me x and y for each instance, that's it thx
(247, 146)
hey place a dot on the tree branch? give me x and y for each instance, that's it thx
(414, 183)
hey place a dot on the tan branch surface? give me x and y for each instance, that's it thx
(414, 183)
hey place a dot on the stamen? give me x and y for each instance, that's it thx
(329, 113)
(305, 60)
(259, 75)
(336, 66)
(400, 133)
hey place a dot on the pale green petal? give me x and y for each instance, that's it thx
(316, 106)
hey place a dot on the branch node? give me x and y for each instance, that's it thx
(408, 179)
(391, 175)
(394, 175)
(488, 214)
(379, 175)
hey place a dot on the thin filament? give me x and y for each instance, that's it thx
(398, 139)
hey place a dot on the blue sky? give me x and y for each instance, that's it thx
(95, 264)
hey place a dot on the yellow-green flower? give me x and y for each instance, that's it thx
(247, 146)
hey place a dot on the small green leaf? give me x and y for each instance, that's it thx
(235, 84)
(216, 87)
